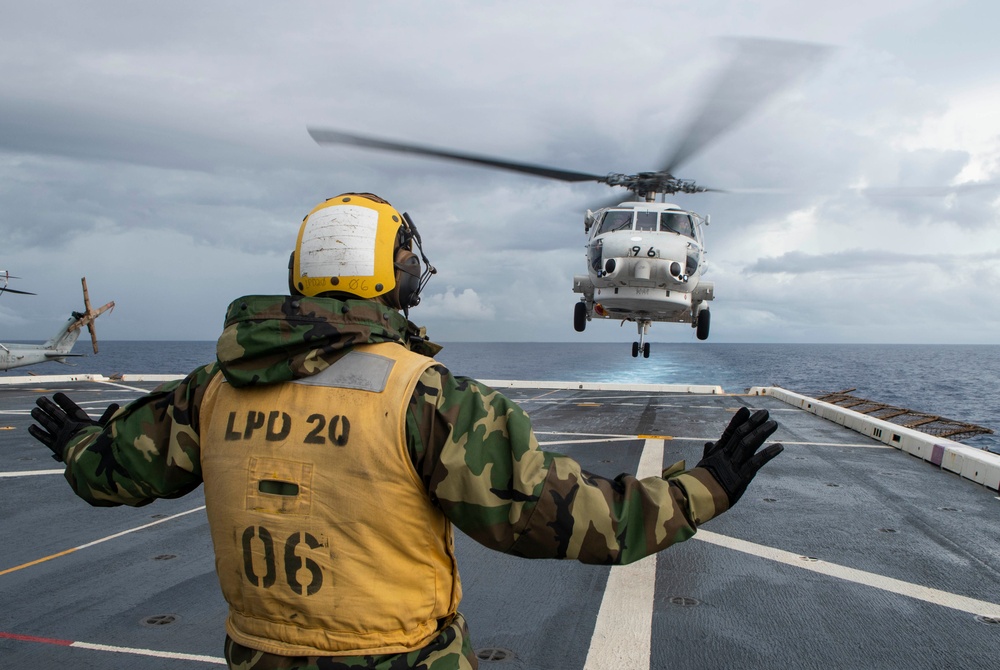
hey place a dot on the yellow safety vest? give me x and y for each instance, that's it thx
(326, 542)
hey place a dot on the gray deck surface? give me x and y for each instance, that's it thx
(881, 523)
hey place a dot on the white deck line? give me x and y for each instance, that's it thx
(874, 580)
(56, 379)
(136, 651)
(697, 389)
(623, 633)
(31, 473)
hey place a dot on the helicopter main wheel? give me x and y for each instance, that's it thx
(580, 317)
(704, 319)
(645, 350)
(635, 350)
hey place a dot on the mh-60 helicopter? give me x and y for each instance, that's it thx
(644, 264)
(645, 259)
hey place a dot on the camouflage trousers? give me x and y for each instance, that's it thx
(450, 650)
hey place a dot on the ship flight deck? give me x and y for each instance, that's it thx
(860, 546)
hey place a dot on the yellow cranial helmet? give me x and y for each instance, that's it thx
(359, 245)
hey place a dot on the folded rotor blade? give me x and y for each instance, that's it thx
(93, 335)
(87, 317)
(14, 290)
(327, 136)
(759, 69)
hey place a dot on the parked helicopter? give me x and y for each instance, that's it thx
(645, 259)
(59, 346)
(5, 277)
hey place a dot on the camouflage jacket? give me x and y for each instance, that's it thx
(473, 448)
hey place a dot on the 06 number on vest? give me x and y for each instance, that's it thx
(292, 562)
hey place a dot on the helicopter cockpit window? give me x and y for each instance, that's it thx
(645, 220)
(616, 219)
(677, 223)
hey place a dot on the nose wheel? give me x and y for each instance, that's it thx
(641, 346)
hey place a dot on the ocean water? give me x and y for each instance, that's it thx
(959, 382)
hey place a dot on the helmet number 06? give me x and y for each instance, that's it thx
(293, 564)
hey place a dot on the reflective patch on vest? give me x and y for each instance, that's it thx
(355, 370)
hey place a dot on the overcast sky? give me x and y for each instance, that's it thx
(160, 150)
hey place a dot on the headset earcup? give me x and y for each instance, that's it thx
(407, 291)
(292, 288)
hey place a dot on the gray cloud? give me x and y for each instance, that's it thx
(853, 260)
(161, 150)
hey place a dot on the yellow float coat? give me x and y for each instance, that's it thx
(326, 542)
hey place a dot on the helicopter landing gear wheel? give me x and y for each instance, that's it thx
(580, 316)
(642, 345)
(704, 319)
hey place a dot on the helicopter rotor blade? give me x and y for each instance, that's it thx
(927, 191)
(6, 276)
(328, 136)
(759, 69)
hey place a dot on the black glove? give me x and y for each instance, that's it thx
(734, 460)
(61, 420)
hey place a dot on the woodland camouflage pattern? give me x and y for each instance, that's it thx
(473, 448)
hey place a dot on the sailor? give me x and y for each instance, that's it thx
(337, 455)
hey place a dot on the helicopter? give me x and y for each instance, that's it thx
(5, 277)
(645, 259)
(645, 262)
(56, 348)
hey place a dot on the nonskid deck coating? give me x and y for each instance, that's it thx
(843, 553)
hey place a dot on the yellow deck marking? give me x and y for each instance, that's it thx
(96, 542)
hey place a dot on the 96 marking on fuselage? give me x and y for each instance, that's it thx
(277, 426)
(652, 252)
